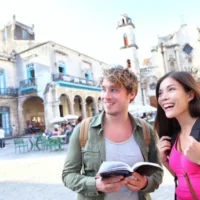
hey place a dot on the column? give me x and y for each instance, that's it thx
(165, 59)
(71, 107)
(22, 122)
(83, 105)
(56, 110)
(177, 58)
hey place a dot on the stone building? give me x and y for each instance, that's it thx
(177, 51)
(42, 81)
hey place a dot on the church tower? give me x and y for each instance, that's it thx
(128, 50)
(127, 45)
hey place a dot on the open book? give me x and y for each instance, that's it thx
(115, 168)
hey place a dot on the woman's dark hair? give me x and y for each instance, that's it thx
(168, 126)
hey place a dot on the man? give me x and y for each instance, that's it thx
(114, 135)
(2, 136)
(68, 128)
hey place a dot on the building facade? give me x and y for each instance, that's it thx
(43, 81)
(177, 51)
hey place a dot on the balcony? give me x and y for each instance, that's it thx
(74, 82)
(28, 85)
(10, 91)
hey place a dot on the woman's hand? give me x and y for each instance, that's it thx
(192, 150)
(137, 182)
(164, 146)
(111, 184)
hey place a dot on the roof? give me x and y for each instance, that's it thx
(51, 42)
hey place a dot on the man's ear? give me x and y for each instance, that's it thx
(132, 95)
(191, 95)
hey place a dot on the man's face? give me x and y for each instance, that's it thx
(115, 98)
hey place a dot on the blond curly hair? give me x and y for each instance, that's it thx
(123, 77)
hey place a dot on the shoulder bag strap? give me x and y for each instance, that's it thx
(145, 131)
(84, 131)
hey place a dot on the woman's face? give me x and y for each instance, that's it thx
(173, 99)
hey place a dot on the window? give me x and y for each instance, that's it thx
(125, 40)
(61, 67)
(32, 73)
(87, 75)
(187, 49)
(4, 34)
(30, 70)
(128, 63)
(24, 34)
(61, 70)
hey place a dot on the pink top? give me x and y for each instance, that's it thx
(177, 161)
(56, 133)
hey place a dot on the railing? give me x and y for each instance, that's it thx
(72, 79)
(28, 83)
(8, 91)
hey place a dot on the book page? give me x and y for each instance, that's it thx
(113, 166)
(146, 168)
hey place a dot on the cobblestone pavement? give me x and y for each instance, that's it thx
(36, 175)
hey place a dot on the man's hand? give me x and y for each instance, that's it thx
(111, 184)
(137, 182)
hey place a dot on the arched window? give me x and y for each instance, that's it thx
(123, 22)
(125, 40)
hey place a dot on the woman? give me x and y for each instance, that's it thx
(56, 131)
(178, 113)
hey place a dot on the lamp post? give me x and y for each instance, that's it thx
(142, 92)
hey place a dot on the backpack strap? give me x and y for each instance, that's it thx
(83, 136)
(145, 131)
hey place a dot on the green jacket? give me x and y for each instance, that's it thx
(94, 154)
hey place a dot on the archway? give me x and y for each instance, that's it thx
(33, 112)
(90, 107)
(64, 105)
(78, 105)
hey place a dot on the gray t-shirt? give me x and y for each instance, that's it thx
(128, 152)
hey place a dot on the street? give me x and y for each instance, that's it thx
(37, 175)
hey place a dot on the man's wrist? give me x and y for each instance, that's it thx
(145, 184)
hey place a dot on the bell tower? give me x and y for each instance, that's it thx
(128, 56)
(127, 45)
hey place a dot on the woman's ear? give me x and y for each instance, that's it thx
(191, 95)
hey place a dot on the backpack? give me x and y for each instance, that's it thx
(85, 125)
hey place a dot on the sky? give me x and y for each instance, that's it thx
(89, 26)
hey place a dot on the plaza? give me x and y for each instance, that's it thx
(36, 175)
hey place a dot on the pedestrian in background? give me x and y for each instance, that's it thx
(178, 114)
(14, 130)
